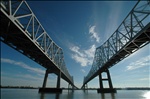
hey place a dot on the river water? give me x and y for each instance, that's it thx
(76, 94)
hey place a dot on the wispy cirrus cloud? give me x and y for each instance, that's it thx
(94, 34)
(145, 61)
(145, 79)
(23, 65)
(84, 57)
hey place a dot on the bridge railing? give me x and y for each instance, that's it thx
(19, 12)
(135, 21)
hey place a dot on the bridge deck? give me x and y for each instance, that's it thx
(139, 41)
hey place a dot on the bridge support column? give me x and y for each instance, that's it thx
(51, 90)
(45, 79)
(109, 79)
(70, 87)
(58, 80)
(85, 87)
(101, 79)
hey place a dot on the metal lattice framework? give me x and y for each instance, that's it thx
(22, 31)
(132, 34)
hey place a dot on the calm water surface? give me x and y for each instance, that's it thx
(77, 94)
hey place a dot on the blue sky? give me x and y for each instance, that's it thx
(78, 27)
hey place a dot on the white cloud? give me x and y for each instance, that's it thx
(143, 79)
(90, 52)
(84, 57)
(76, 50)
(23, 65)
(145, 61)
(94, 34)
(83, 71)
(82, 60)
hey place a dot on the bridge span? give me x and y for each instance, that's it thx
(21, 30)
(132, 34)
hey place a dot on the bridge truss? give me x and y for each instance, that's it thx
(132, 34)
(21, 30)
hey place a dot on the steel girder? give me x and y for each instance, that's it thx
(132, 34)
(20, 14)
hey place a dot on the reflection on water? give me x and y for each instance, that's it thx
(147, 95)
(43, 96)
(89, 95)
(68, 95)
(79, 94)
(103, 96)
(76, 94)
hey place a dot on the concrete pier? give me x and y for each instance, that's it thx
(50, 90)
(101, 79)
(106, 90)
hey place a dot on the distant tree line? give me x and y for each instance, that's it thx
(21, 87)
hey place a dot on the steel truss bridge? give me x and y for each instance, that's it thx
(132, 34)
(21, 30)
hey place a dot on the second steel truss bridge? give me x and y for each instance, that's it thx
(132, 34)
